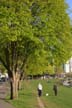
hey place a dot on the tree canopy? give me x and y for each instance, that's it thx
(34, 27)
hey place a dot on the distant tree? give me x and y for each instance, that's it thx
(2, 68)
(52, 26)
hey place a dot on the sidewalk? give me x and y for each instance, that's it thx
(40, 103)
(4, 104)
(3, 92)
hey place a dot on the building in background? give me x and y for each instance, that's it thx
(68, 66)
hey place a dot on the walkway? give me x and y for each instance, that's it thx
(3, 92)
(40, 103)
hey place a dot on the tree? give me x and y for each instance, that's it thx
(16, 35)
(33, 34)
(52, 25)
(17, 39)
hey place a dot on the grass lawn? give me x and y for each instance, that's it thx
(28, 95)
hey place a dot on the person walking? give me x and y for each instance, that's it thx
(40, 89)
(55, 89)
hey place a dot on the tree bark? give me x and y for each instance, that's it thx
(14, 87)
(20, 84)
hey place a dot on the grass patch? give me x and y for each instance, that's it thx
(28, 95)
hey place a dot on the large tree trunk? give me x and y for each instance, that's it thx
(14, 87)
(20, 84)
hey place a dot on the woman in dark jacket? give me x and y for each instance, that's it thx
(55, 89)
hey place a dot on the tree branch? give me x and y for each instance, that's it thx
(4, 64)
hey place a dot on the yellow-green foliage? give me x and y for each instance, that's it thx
(34, 33)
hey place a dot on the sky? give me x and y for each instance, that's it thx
(70, 7)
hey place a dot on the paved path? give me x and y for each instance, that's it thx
(4, 104)
(3, 92)
(40, 103)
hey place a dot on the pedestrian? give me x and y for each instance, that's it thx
(55, 89)
(39, 89)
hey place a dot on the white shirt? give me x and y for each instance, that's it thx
(39, 86)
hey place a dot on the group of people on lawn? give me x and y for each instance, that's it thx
(40, 88)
